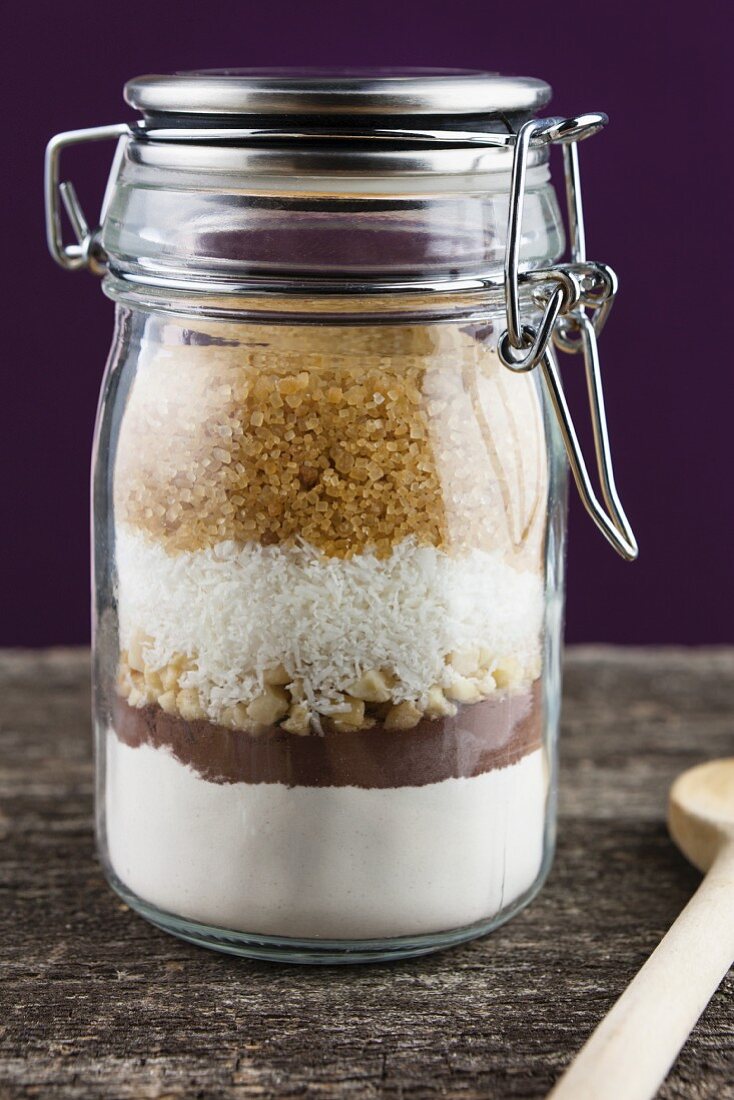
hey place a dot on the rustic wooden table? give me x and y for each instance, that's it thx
(94, 1002)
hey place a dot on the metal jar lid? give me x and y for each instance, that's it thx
(216, 93)
(340, 122)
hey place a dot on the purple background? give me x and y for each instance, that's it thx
(658, 205)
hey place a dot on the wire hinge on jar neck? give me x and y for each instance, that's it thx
(87, 252)
(575, 288)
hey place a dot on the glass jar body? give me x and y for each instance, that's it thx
(328, 583)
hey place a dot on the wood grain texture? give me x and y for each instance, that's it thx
(95, 1003)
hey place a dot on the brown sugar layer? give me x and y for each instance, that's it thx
(346, 437)
(491, 734)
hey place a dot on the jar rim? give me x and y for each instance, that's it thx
(320, 159)
(310, 304)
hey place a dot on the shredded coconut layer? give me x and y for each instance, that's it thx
(240, 610)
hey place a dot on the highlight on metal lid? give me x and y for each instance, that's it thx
(384, 92)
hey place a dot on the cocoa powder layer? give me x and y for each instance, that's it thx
(492, 734)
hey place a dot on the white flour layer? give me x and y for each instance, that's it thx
(335, 862)
(239, 610)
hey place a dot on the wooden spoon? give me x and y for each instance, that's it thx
(632, 1049)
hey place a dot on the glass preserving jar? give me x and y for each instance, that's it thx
(329, 502)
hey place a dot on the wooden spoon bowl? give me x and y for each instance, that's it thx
(701, 811)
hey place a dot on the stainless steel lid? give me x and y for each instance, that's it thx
(382, 92)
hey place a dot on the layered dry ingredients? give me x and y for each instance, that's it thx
(329, 552)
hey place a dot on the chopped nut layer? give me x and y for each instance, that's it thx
(470, 675)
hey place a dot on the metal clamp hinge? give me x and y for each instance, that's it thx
(565, 292)
(87, 252)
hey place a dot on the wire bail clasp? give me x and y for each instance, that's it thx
(87, 252)
(575, 287)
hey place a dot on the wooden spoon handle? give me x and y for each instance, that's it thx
(635, 1045)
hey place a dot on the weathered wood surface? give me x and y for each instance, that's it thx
(95, 1003)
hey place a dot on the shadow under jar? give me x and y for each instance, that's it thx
(328, 520)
